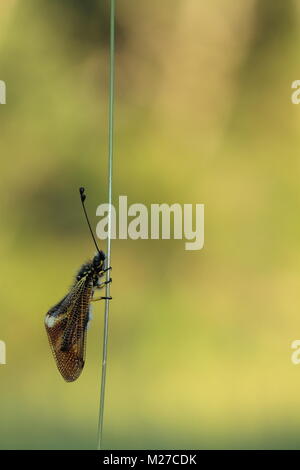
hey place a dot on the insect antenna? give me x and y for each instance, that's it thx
(83, 198)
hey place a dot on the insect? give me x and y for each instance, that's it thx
(66, 323)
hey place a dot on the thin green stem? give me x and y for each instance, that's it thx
(110, 166)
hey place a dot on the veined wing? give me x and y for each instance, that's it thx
(66, 325)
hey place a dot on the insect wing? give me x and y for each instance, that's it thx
(66, 326)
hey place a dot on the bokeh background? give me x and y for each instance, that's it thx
(200, 342)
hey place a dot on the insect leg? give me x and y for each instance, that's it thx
(104, 283)
(101, 298)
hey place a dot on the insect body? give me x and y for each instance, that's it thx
(66, 322)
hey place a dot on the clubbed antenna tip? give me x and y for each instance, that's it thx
(82, 195)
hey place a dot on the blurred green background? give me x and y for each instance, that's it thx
(200, 342)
